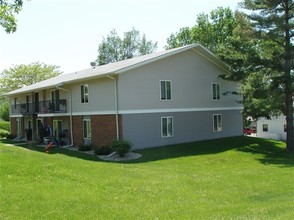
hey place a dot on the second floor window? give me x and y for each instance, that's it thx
(215, 91)
(84, 93)
(165, 90)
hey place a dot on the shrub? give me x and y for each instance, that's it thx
(121, 147)
(4, 133)
(11, 136)
(85, 147)
(5, 125)
(104, 150)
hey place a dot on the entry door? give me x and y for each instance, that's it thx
(27, 104)
(39, 126)
(57, 128)
(55, 100)
(36, 102)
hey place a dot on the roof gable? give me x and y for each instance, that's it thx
(118, 68)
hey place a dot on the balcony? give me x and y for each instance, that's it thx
(43, 107)
(52, 107)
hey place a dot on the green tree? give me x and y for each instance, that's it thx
(19, 76)
(113, 48)
(273, 22)
(228, 35)
(8, 9)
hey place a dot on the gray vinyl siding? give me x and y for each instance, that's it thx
(144, 130)
(191, 77)
(101, 96)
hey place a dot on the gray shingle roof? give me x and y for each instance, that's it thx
(116, 68)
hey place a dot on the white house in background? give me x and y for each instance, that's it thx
(164, 98)
(272, 129)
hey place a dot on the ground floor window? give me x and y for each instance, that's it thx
(167, 126)
(217, 122)
(87, 128)
(265, 127)
(18, 133)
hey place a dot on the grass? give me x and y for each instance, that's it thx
(232, 178)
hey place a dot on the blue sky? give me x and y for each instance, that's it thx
(67, 33)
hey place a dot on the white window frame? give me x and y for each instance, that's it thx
(219, 121)
(18, 127)
(165, 88)
(89, 134)
(263, 127)
(84, 94)
(215, 89)
(168, 133)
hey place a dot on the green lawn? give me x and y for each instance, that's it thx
(232, 178)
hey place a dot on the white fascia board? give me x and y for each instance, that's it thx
(150, 111)
(146, 111)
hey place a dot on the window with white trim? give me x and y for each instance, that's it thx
(215, 91)
(18, 129)
(167, 129)
(87, 128)
(265, 127)
(84, 93)
(217, 122)
(165, 89)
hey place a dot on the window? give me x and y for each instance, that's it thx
(167, 127)
(165, 90)
(18, 133)
(265, 127)
(55, 101)
(215, 91)
(87, 128)
(84, 93)
(285, 127)
(217, 123)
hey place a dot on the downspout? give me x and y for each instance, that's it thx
(116, 105)
(70, 113)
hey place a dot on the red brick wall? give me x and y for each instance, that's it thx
(103, 129)
(13, 126)
(77, 124)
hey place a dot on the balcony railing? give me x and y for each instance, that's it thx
(42, 107)
(23, 109)
(52, 107)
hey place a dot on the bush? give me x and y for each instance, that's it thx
(11, 136)
(104, 150)
(85, 148)
(4, 133)
(121, 147)
(5, 125)
(4, 111)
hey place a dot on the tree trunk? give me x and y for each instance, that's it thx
(288, 83)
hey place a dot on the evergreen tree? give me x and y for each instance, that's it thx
(273, 22)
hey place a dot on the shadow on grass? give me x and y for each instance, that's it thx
(55, 150)
(266, 151)
(269, 152)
